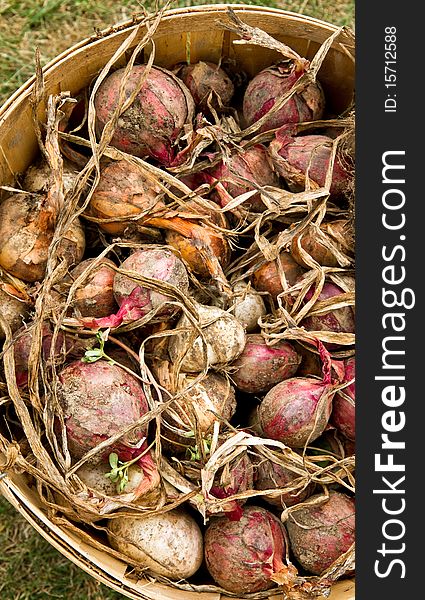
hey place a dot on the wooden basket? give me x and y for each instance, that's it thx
(73, 70)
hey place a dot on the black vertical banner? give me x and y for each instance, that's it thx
(390, 198)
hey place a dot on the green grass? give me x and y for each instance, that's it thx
(54, 25)
(30, 569)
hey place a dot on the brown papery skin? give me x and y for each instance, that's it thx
(343, 415)
(205, 77)
(267, 278)
(341, 234)
(99, 400)
(181, 239)
(261, 366)
(95, 296)
(157, 263)
(152, 124)
(122, 192)
(26, 231)
(294, 157)
(253, 164)
(295, 411)
(243, 555)
(13, 309)
(27, 225)
(321, 534)
(338, 320)
(272, 83)
(270, 475)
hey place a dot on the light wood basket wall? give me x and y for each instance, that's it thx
(73, 70)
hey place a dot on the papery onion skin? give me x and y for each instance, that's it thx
(267, 279)
(168, 544)
(296, 411)
(224, 336)
(296, 156)
(337, 320)
(95, 296)
(26, 232)
(262, 366)
(270, 475)
(252, 164)
(204, 77)
(13, 309)
(99, 400)
(248, 307)
(340, 233)
(122, 192)
(321, 534)
(343, 415)
(156, 263)
(155, 120)
(273, 82)
(243, 555)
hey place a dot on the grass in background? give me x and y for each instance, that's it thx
(55, 25)
(31, 569)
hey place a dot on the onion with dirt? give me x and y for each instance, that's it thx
(154, 122)
(303, 158)
(272, 83)
(320, 534)
(95, 296)
(336, 320)
(123, 192)
(262, 366)
(27, 226)
(137, 300)
(275, 276)
(343, 415)
(270, 475)
(100, 400)
(243, 172)
(339, 234)
(198, 405)
(168, 544)
(208, 83)
(297, 410)
(222, 341)
(248, 555)
(14, 307)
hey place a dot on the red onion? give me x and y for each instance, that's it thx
(244, 556)
(274, 82)
(99, 400)
(319, 535)
(343, 415)
(235, 477)
(250, 165)
(204, 78)
(261, 366)
(297, 410)
(152, 125)
(295, 156)
(270, 475)
(95, 296)
(338, 320)
(136, 301)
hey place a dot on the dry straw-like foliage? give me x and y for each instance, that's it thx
(34, 441)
